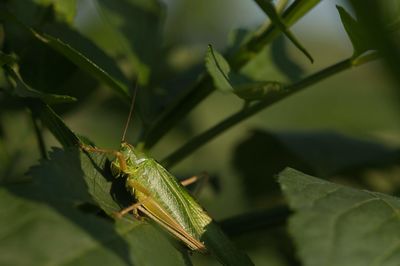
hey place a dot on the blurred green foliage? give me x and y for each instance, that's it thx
(343, 127)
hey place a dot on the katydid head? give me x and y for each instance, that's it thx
(127, 159)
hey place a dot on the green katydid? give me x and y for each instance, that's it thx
(162, 198)
(159, 195)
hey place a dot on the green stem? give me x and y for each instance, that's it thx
(203, 87)
(39, 137)
(245, 113)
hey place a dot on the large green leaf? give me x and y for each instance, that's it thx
(268, 7)
(334, 225)
(54, 221)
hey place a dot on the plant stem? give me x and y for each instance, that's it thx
(203, 87)
(245, 113)
(39, 137)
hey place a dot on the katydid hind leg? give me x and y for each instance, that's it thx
(191, 180)
(201, 180)
(133, 208)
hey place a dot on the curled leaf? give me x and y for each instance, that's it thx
(258, 90)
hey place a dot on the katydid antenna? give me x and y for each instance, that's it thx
(130, 111)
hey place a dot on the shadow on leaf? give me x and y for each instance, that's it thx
(325, 154)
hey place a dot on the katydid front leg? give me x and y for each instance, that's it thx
(117, 154)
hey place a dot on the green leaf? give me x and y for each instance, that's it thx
(84, 63)
(373, 16)
(268, 7)
(355, 32)
(222, 248)
(74, 56)
(226, 80)
(54, 73)
(219, 69)
(88, 48)
(136, 26)
(21, 89)
(65, 10)
(338, 225)
(54, 123)
(46, 219)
